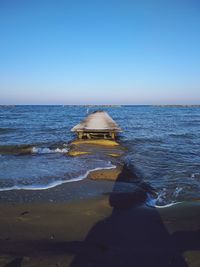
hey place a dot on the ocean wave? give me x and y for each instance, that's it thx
(182, 135)
(15, 149)
(46, 150)
(152, 202)
(195, 176)
(162, 201)
(32, 149)
(55, 183)
(6, 130)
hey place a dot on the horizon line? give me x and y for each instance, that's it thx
(91, 105)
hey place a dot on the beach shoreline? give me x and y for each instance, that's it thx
(68, 226)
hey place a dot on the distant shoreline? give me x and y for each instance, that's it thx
(105, 106)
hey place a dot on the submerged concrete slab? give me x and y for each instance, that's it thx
(98, 121)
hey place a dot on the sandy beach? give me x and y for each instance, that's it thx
(69, 226)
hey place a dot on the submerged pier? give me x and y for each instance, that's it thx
(97, 125)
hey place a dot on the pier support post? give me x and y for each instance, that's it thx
(112, 135)
(80, 135)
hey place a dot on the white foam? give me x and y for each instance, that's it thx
(167, 205)
(161, 201)
(195, 175)
(55, 183)
(46, 150)
(177, 191)
(152, 202)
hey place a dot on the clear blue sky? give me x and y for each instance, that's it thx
(122, 52)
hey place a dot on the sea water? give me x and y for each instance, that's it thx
(163, 147)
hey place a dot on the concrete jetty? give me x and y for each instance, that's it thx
(97, 125)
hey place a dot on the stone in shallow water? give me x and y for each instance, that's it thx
(98, 147)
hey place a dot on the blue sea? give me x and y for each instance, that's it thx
(163, 147)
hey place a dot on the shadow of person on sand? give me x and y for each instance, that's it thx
(15, 263)
(132, 235)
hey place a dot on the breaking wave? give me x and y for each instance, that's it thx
(46, 150)
(54, 183)
(152, 202)
(32, 149)
(162, 201)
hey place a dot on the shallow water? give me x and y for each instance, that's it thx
(163, 144)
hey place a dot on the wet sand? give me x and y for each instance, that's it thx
(96, 223)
